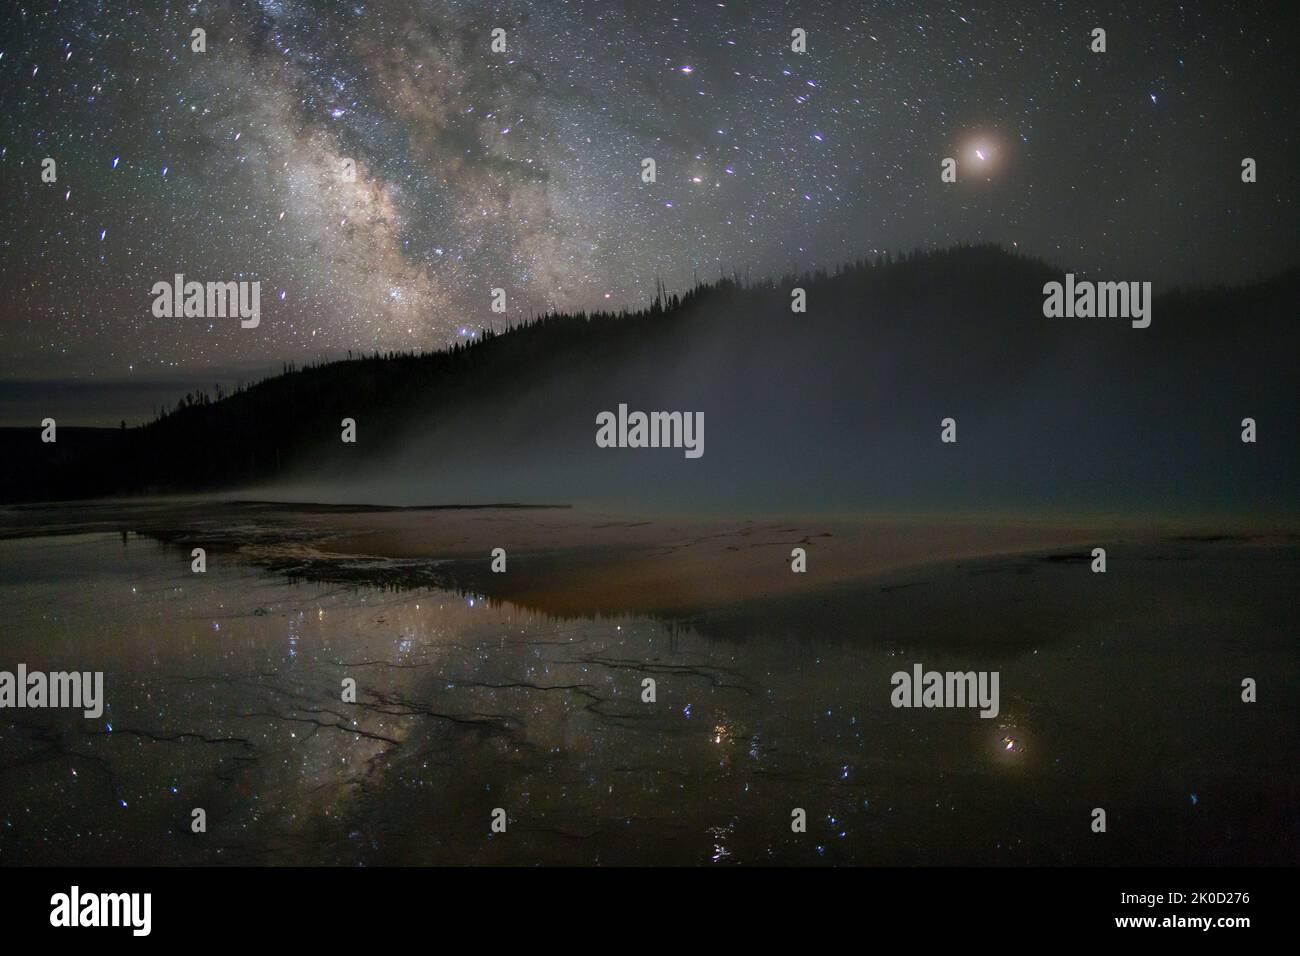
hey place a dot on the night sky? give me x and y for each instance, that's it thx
(522, 170)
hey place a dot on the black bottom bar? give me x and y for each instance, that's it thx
(378, 906)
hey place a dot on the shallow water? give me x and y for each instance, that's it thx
(224, 692)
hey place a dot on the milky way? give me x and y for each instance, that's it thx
(521, 169)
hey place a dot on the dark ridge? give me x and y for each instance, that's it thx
(853, 395)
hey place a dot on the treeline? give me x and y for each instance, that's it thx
(291, 422)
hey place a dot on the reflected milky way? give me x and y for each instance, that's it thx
(224, 692)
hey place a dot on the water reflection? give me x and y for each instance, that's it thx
(227, 691)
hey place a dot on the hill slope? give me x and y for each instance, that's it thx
(835, 408)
